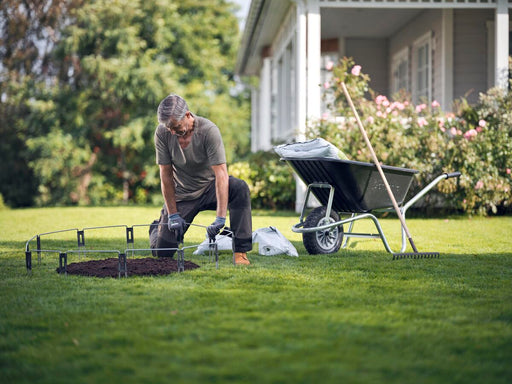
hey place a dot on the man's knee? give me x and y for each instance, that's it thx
(239, 190)
(161, 238)
(165, 247)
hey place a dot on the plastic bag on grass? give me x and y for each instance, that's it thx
(224, 243)
(272, 242)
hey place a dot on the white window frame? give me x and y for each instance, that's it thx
(327, 76)
(285, 92)
(422, 71)
(400, 71)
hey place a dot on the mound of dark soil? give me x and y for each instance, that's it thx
(148, 266)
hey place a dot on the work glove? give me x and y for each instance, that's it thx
(176, 224)
(215, 227)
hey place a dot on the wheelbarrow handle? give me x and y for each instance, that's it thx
(432, 184)
(453, 174)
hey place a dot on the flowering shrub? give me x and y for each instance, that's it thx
(477, 141)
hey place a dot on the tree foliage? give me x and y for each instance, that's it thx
(28, 31)
(85, 102)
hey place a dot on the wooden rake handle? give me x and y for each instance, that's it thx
(379, 168)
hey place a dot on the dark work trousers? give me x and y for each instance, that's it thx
(240, 219)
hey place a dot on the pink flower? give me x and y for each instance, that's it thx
(356, 70)
(420, 108)
(479, 129)
(435, 104)
(398, 106)
(440, 122)
(329, 66)
(453, 131)
(471, 133)
(479, 184)
(508, 171)
(380, 99)
(327, 85)
(422, 121)
(443, 129)
(325, 116)
(482, 123)
(370, 120)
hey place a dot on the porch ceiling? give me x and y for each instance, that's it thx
(266, 17)
(364, 23)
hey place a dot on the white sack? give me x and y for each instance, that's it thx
(308, 149)
(224, 243)
(272, 242)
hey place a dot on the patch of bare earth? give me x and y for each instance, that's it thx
(148, 266)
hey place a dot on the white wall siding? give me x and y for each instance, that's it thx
(470, 52)
(372, 55)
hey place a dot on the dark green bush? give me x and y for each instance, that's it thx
(270, 180)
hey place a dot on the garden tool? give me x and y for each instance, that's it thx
(415, 254)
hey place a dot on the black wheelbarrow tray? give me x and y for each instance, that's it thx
(350, 188)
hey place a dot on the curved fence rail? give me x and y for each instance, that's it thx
(122, 254)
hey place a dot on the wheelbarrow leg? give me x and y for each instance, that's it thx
(350, 228)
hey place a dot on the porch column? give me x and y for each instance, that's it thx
(255, 113)
(447, 60)
(300, 64)
(313, 60)
(265, 111)
(501, 38)
(301, 81)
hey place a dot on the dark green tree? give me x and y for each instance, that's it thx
(28, 31)
(110, 65)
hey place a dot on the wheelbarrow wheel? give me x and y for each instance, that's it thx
(324, 241)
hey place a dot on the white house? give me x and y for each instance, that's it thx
(436, 49)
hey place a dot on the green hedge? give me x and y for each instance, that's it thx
(270, 180)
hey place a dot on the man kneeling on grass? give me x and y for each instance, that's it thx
(194, 178)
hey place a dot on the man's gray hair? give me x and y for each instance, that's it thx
(172, 108)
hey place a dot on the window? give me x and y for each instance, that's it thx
(400, 71)
(422, 69)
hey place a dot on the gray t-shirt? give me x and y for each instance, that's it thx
(191, 165)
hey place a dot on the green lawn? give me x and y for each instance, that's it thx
(353, 317)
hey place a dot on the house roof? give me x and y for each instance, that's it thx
(262, 24)
(340, 18)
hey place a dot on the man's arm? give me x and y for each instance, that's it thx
(168, 189)
(221, 188)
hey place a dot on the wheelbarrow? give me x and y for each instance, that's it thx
(354, 189)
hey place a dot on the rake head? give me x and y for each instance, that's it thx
(416, 255)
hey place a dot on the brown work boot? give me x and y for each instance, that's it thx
(240, 258)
